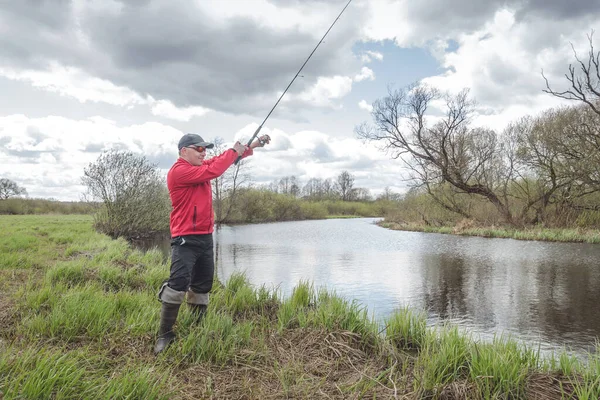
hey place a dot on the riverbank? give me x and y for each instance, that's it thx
(79, 315)
(542, 234)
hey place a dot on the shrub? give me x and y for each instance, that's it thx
(134, 196)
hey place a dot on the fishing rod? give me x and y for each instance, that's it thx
(292, 81)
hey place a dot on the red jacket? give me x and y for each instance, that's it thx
(191, 193)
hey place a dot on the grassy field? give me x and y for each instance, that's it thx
(79, 314)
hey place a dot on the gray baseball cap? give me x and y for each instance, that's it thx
(191, 139)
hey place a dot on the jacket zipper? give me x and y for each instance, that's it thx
(194, 220)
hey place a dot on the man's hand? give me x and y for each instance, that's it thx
(261, 141)
(239, 148)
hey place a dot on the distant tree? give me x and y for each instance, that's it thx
(226, 187)
(584, 79)
(286, 185)
(389, 195)
(344, 184)
(134, 195)
(10, 188)
(294, 187)
(360, 194)
(312, 188)
(327, 189)
(318, 189)
(273, 186)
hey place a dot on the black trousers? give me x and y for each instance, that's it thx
(192, 263)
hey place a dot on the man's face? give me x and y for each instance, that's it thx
(193, 154)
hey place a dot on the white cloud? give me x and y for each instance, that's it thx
(370, 55)
(496, 48)
(376, 55)
(365, 73)
(302, 17)
(503, 74)
(314, 154)
(164, 108)
(73, 82)
(52, 158)
(325, 90)
(76, 83)
(388, 20)
(363, 105)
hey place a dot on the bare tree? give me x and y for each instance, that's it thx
(537, 162)
(326, 189)
(389, 195)
(360, 194)
(294, 186)
(284, 185)
(584, 79)
(273, 186)
(289, 185)
(312, 188)
(226, 186)
(344, 184)
(10, 188)
(449, 151)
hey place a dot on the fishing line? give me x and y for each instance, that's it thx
(292, 81)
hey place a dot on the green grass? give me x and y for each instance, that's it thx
(501, 368)
(83, 315)
(59, 373)
(407, 329)
(218, 340)
(534, 233)
(444, 358)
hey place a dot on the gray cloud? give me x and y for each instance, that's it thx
(467, 14)
(94, 148)
(171, 50)
(163, 160)
(560, 9)
(360, 164)
(282, 143)
(293, 3)
(448, 19)
(457, 15)
(31, 156)
(25, 155)
(41, 31)
(542, 32)
(323, 153)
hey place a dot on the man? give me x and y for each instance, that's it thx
(192, 222)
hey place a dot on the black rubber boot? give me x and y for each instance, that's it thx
(198, 311)
(168, 316)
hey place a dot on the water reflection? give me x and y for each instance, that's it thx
(536, 291)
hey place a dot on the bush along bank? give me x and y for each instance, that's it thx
(81, 321)
(531, 233)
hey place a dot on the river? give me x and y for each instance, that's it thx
(545, 294)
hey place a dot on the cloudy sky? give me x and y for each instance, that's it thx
(82, 76)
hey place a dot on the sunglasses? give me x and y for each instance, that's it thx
(199, 149)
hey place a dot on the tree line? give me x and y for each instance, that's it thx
(339, 188)
(136, 201)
